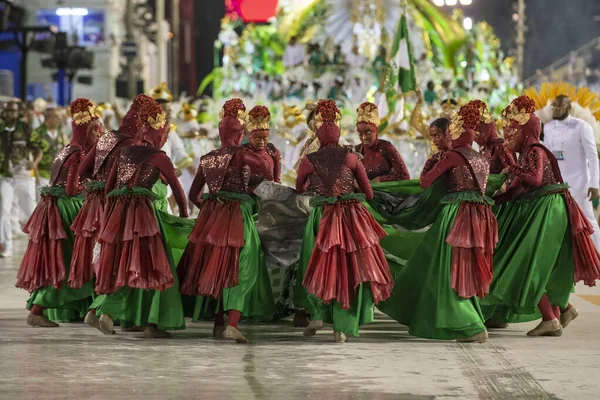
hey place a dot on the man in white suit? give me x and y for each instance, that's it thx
(572, 142)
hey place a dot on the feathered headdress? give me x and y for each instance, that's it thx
(258, 119)
(585, 104)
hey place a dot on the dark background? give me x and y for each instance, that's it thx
(556, 27)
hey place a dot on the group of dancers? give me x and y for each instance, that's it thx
(483, 238)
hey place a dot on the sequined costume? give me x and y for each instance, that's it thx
(343, 271)
(380, 158)
(96, 166)
(222, 259)
(135, 267)
(45, 266)
(436, 291)
(490, 145)
(258, 128)
(545, 240)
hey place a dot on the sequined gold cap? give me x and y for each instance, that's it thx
(162, 92)
(519, 110)
(327, 111)
(258, 119)
(82, 111)
(150, 111)
(467, 118)
(368, 112)
(234, 108)
(484, 114)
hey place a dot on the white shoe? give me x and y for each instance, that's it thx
(6, 254)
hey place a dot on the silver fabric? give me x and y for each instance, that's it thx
(282, 217)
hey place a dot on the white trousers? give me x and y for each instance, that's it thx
(17, 202)
(586, 206)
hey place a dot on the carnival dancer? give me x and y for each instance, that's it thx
(21, 153)
(342, 267)
(96, 166)
(440, 137)
(490, 145)
(545, 243)
(382, 161)
(436, 292)
(257, 125)
(222, 259)
(135, 267)
(572, 142)
(45, 266)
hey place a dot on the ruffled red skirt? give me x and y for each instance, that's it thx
(86, 228)
(347, 254)
(473, 238)
(585, 254)
(43, 263)
(210, 261)
(132, 252)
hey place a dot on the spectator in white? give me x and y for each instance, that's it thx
(295, 53)
(572, 142)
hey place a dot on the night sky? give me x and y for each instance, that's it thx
(556, 27)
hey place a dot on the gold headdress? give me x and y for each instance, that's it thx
(327, 111)
(467, 118)
(82, 111)
(368, 112)
(234, 108)
(189, 113)
(162, 92)
(258, 119)
(520, 110)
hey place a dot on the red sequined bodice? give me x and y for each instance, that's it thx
(548, 175)
(60, 171)
(266, 156)
(221, 175)
(379, 161)
(331, 176)
(134, 168)
(471, 177)
(106, 154)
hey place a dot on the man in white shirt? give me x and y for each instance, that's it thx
(572, 142)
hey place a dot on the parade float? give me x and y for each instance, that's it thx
(349, 57)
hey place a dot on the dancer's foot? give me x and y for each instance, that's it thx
(106, 324)
(339, 337)
(132, 328)
(152, 332)
(92, 319)
(547, 328)
(479, 338)
(568, 316)
(41, 321)
(218, 332)
(313, 327)
(301, 319)
(496, 324)
(232, 333)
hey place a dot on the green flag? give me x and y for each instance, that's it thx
(403, 58)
